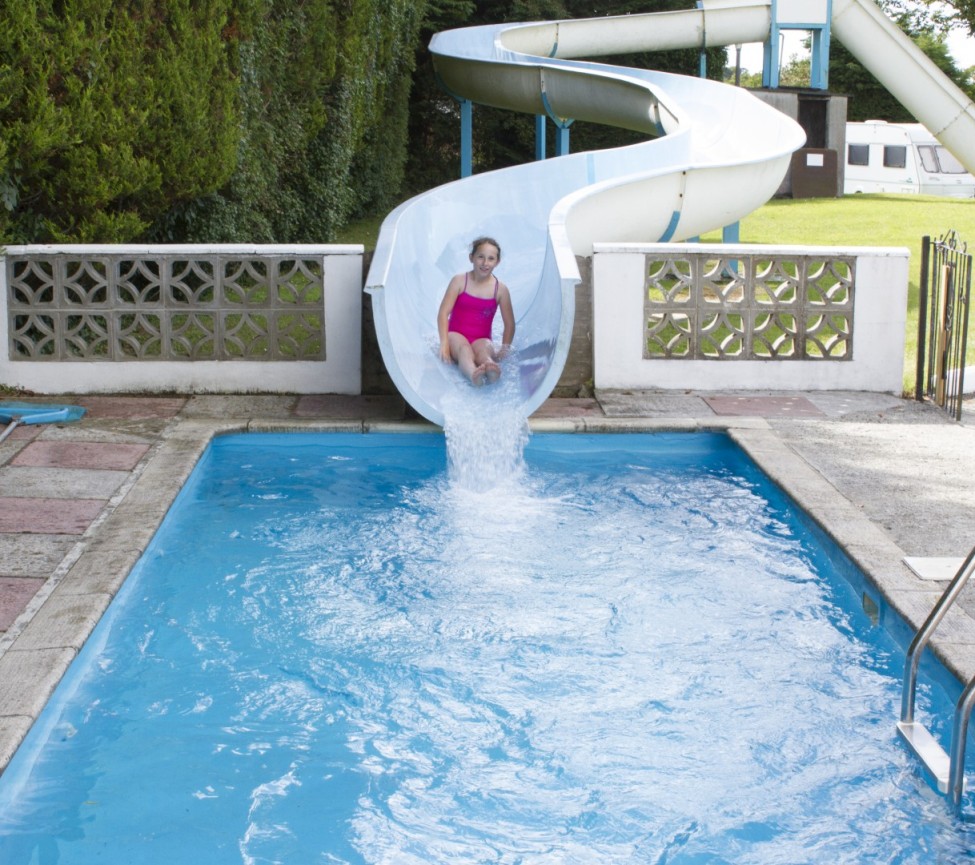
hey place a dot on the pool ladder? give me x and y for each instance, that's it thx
(947, 769)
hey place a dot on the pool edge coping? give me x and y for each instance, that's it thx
(35, 658)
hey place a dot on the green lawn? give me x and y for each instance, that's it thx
(853, 220)
(364, 231)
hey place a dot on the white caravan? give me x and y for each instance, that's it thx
(902, 157)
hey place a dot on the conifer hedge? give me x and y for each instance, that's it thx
(109, 112)
(200, 120)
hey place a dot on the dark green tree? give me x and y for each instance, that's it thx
(109, 112)
(201, 120)
(937, 16)
(434, 118)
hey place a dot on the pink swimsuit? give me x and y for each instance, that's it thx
(472, 316)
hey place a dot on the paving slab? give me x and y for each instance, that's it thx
(837, 404)
(48, 516)
(130, 526)
(81, 455)
(570, 407)
(342, 407)
(29, 678)
(915, 479)
(64, 621)
(763, 406)
(238, 405)
(98, 572)
(628, 403)
(935, 568)
(33, 555)
(24, 432)
(130, 408)
(15, 594)
(13, 728)
(31, 482)
(111, 431)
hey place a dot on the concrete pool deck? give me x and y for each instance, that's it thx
(888, 478)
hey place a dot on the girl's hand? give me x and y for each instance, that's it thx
(445, 353)
(503, 352)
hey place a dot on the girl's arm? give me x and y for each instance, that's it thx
(443, 316)
(507, 319)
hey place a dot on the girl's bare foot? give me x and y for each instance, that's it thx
(492, 372)
(477, 376)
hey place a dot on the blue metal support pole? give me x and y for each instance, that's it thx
(730, 234)
(819, 61)
(770, 60)
(702, 58)
(770, 52)
(540, 148)
(562, 124)
(466, 138)
(818, 27)
(562, 140)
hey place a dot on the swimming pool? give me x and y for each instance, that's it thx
(633, 651)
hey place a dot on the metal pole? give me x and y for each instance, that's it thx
(965, 293)
(466, 138)
(959, 743)
(923, 636)
(562, 140)
(922, 314)
(959, 316)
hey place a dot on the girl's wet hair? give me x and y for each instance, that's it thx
(477, 244)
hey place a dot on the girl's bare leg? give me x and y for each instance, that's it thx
(484, 360)
(463, 354)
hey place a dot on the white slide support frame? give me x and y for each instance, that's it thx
(714, 154)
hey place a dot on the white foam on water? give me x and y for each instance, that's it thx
(486, 432)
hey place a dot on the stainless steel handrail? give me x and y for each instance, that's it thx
(952, 783)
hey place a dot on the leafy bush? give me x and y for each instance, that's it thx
(200, 120)
(109, 113)
(323, 102)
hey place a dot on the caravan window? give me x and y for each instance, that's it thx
(895, 156)
(937, 160)
(858, 154)
(929, 159)
(949, 165)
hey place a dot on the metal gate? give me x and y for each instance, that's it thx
(942, 323)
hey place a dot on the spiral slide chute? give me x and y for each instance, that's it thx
(713, 154)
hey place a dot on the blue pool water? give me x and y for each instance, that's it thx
(631, 650)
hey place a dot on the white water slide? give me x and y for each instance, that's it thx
(714, 154)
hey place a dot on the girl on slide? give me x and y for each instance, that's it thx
(467, 313)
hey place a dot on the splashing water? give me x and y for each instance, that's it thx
(486, 432)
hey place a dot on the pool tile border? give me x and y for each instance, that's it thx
(35, 655)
